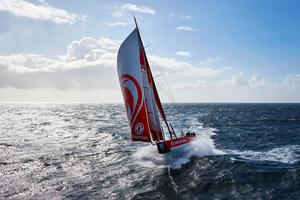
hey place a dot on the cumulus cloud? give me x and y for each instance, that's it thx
(237, 88)
(235, 80)
(183, 53)
(185, 28)
(88, 63)
(91, 49)
(22, 8)
(257, 81)
(291, 80)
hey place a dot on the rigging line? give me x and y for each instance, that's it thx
(157, 76)
(158, 70)
(165, 83)
(164, 77)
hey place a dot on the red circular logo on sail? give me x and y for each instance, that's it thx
(139, 128)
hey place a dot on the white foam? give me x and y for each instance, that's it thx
(289, 154)
(203, 146)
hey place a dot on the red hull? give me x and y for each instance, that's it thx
(178, 141)
(166, 146)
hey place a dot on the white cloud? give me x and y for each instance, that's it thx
(180, 16)
(185, 17)
(89, 63)
(138, 9)
(291, 80)
(235, 80)
(257, 81)
(91, 49)
(116, 23)
(43, 11)
(54, 95)
(240, 89)
(191, 85)
(185, 28)
(128, 7)
(176, 67)
(183, 53)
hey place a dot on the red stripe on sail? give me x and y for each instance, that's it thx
(142, 58)
(135, 108)
(129, 100)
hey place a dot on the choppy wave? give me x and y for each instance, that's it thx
(83, 151)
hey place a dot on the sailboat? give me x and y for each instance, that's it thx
(141, 99)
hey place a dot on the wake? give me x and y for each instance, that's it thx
(289, 154)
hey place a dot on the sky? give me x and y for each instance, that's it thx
(201, 51)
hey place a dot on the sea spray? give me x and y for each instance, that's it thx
(203, 146)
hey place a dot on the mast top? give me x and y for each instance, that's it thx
(136, 25)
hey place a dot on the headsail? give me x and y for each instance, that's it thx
(131, 82)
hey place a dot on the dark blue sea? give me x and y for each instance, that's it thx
(83, 151)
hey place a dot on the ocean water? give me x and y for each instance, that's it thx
(83, 151)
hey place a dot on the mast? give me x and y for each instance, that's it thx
(136, 25)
